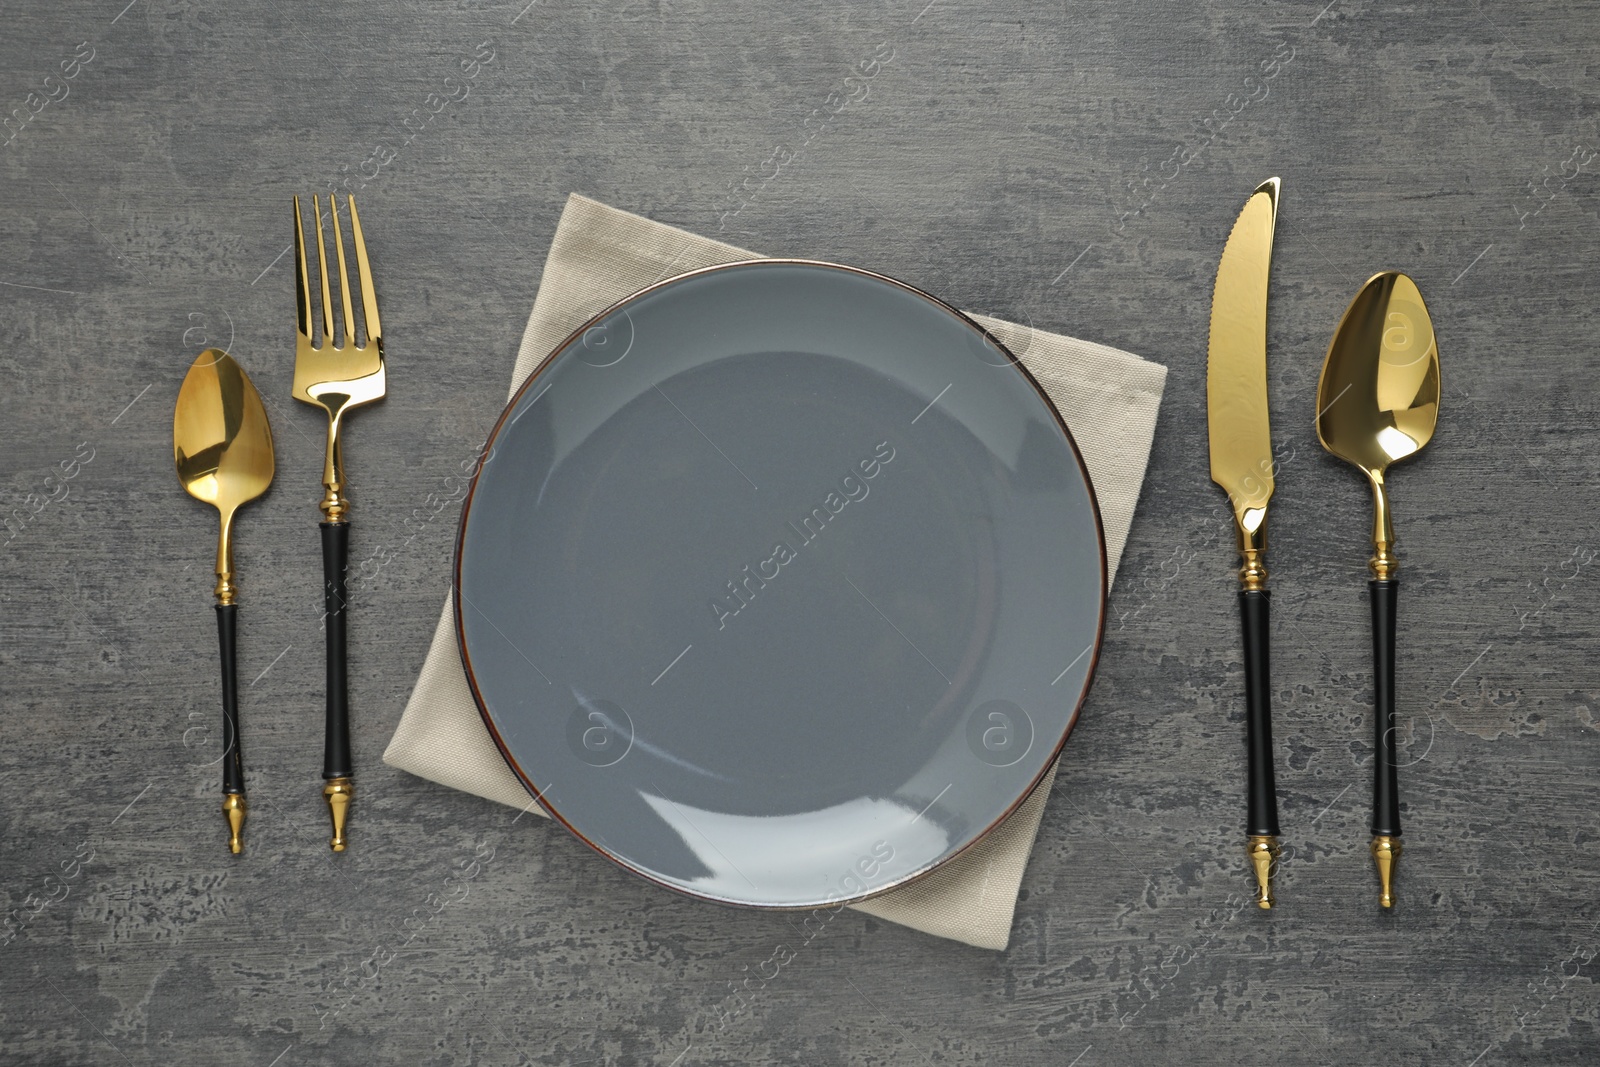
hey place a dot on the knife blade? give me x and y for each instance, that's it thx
(1240, 437)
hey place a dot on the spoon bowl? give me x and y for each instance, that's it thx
(222, 446)
(1378, 401)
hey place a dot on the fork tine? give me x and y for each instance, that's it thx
(302, 288)
(369, 292)
(344, 275)
(322, 267)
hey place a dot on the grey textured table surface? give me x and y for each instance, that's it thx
(1077, 166)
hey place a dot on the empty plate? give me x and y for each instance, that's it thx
(780, 583)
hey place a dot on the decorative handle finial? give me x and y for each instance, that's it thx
(1263, 852)
(1386, 854)
(234, 808)
(339, 792)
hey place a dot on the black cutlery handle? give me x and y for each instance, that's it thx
(232, 759)
(336, 742)
(1385, 783)
(1262, 813)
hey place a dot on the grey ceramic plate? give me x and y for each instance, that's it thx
(780, 583)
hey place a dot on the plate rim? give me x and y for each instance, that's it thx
(487, 450)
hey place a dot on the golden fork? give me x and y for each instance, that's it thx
(336, 375)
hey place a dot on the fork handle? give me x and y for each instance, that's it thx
(336, 743)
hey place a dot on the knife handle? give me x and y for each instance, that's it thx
(336, 768)
(1262, 796)
(233, 807)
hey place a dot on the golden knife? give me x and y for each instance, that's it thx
(1241, 462)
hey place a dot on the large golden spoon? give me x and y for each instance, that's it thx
(223, 448)
(1378, 402)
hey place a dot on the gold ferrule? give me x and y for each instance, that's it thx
(225, 589)
(1386, 854)
(335, 505)
(339, 791)
(1253, 574)
(1252, 530)
(1383, 562)
(1263, 853)
(234, 809)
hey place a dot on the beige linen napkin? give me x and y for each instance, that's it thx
(1109, 398)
